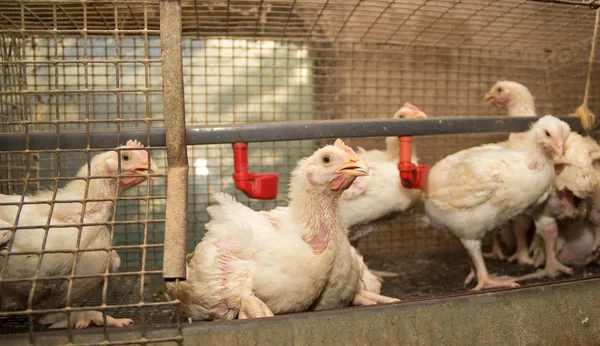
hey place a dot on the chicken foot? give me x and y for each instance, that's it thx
(484, 280)
(520, 227)
(364, 297)
(553, 267)
(471, 275)
(252, 307)
(82, 319)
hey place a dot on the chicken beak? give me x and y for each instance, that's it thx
(153, 170)
(489, 98)
(558, 150)
(354, 167)
(143, 170)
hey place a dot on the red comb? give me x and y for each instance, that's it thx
(412, 107)
(134, 144)
(340, 144)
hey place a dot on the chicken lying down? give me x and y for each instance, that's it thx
(479, 189)
(350, 282)
(381, 193)
(574, 245)
(247, 267)
(64, 217)
(517, 101)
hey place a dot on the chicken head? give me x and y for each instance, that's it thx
(551, 134)
(135, 165)
(334, 167)
(410, 111)
(512, 97)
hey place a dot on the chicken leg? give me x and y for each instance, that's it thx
(364, 297)
(553, 267)
(253, 307)
(520, 226)
(82, 319)
(496, 252)
(596, 243)
(484, 280)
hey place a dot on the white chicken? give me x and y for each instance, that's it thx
(517, 101)
(374, 196)
(512, 97)
(63, 221)
(476, 190)
(576, 212)
(350, 281)
(575, 181)
(247, 266)
(381, 193)
(594, 210)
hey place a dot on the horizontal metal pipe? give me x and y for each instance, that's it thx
(271, 132)
(87, 308)
(78, 277)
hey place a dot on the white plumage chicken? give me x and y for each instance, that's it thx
(381, 193)
(350, 282)
(576, 211)
(575, 182)
(517, 101)
(512, 97)
(63, 216)
(476, 190)
(248, 266)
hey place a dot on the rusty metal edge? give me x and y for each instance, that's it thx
(174, 265)
(566, 313)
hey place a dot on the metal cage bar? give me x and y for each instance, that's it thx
(174, 266)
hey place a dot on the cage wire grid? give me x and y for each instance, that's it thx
(71, 65)
(83, 83)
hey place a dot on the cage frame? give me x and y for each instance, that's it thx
(348, 324)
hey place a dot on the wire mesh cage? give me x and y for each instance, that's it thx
(75, 68)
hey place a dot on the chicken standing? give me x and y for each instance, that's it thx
(248, 267)
(576, 212)
(517, 101)
(476, 190)
(64, 225)
(575, 182)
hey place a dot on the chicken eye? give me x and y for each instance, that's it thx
(499, 90)
(327, 160)
(125, 157)
(547, 133)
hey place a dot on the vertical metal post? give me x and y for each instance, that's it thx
(174, 111)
